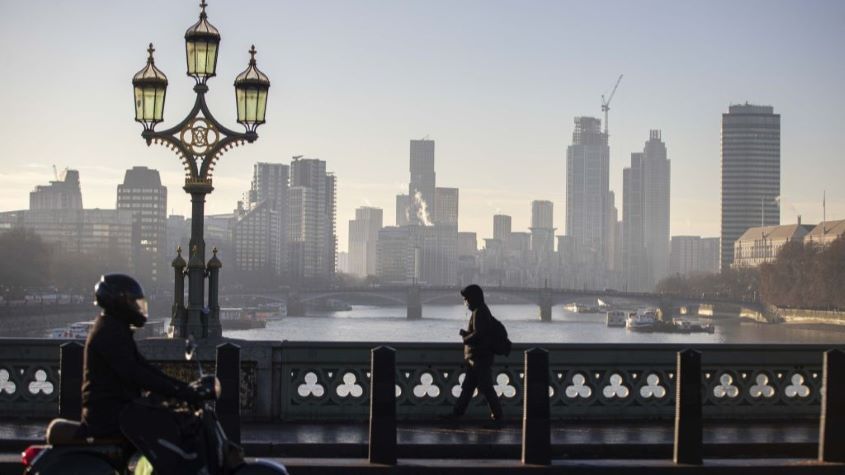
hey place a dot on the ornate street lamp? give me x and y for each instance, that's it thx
(199, 140)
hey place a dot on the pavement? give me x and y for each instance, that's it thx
(445, 440)
(641, 448)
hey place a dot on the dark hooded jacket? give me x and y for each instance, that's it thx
(478, 339)
(114, 375)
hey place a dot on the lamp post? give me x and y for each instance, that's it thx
(199, 140)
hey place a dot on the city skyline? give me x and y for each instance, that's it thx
(489, 100)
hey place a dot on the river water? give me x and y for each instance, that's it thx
(441, 323)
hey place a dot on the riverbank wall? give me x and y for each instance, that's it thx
(804, 316)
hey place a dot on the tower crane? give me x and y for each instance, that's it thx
(605, 104)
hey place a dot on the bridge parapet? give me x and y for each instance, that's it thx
(330, 381)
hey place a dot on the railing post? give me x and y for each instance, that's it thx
(70, 381)
(688, 418)
(229, 405)
(536, 427)
(832, 422)
(383, 405)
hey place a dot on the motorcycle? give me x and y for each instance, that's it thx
(173, 438)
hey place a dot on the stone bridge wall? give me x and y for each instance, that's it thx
(330, 381)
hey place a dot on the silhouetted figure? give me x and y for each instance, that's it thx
(115, 372)
(478, 355)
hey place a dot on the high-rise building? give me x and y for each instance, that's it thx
(467, 268)
(312, 240)
(422, 184)
(519, 242)
(178, 234)
(424, 254)
(363, 239)
(446, 206)
(467, 244)
(750, 173)
(693, 254)
(587, 196)
(256, 243)
(270, 183)
(343, 262)
(542, 227)
(63, 193)
(395, 255)
(403, 210)
(614, 241)
(438, 247)
(645, 215)
(501, 227)
(143, 194)
(259, 232)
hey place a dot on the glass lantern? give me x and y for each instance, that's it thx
(202, 41)
(150, 86)
(251, 88)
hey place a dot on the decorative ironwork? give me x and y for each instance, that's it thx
(6, 384)
(199, 135)
(653, 388)
(332, 381)
(199, 140)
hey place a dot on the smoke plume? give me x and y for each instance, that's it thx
(422, 209)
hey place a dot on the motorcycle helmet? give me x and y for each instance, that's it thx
(122, 297)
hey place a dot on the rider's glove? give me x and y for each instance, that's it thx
(189, 394)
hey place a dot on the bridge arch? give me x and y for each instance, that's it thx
(430, 297)
(375, 295)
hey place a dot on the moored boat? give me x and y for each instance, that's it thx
(74, 331)
(237, 318)
(644, 319)
(616, 318)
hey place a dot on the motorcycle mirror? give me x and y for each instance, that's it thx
(190, 348)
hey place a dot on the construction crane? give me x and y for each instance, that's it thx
(605, 104)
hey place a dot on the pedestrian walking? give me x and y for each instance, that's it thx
(480, 338)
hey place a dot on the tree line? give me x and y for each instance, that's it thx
(801, 276)
(28, 262)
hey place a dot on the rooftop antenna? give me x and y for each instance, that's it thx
(605, 104)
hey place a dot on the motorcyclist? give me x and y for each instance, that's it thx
(115, 372)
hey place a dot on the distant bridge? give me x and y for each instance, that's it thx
(415, 296)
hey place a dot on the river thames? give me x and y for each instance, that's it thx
(441, 323)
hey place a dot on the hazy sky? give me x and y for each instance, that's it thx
(495, 83)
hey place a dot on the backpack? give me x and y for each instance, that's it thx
(501, 345)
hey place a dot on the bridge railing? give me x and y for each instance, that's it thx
(330, 381)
